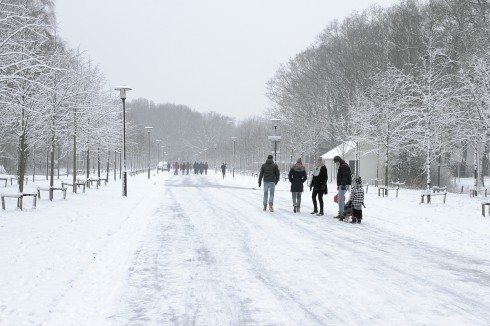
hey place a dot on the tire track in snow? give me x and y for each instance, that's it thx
(157, 290)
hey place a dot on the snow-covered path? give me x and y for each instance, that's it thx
(213, 257)
(199, 250)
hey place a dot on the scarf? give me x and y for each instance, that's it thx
(316, 171)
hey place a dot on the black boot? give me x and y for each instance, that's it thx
(314, 212)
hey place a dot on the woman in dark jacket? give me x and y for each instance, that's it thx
(319, 185)
(297, 176)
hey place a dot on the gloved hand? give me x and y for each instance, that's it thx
(260, 184)
(311, 187)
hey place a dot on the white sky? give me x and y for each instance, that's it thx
(210, 55)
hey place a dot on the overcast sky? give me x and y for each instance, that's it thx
(211, 55)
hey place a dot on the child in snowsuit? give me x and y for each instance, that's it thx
(357, 199)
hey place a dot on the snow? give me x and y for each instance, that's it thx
(197, 249)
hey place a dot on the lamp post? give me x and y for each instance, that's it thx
(122, 94)
(158, 155)
(234, 141)
(215, 158)
(275, 138)
(149, 161)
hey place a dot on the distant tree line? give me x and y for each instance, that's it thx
(412, 80)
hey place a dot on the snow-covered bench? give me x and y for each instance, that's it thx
(475, 192)
(382, 190)
(435, 191)
(375, 182)
(49, 189)
(19, 197)
(92, 180)
(78, 183)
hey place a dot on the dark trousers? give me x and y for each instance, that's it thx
(357, 213)
(320, 199)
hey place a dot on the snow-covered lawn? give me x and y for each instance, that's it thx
(199, 250)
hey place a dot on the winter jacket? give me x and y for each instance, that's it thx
(269, 172)
(297, 176)
(344, 175)
(357, 196)
(319, 182)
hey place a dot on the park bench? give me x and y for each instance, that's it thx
(26, 178)
(435, 191)
(375, 182)
(383, 190)
(475, 192)
(19, 198)
(78, 184)
(63, 189)
(90, 181)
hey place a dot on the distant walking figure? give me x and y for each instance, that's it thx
(270, 173)
(223, 169)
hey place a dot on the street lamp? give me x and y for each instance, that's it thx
(149, 164)
(122, 94)
(275, 138)
(215, 158)
(158, 155)
(234, 141)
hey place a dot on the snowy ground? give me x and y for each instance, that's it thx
(199, 250)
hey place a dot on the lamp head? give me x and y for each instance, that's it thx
(122, 91)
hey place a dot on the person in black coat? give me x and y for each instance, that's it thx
(297, 176)
(319, 185)
(344, 180)
(223, 169)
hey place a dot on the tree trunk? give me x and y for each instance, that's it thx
(88, 164)
(74, 179)
(22, 162)
(51, 174)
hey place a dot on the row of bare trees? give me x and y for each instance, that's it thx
(52, 98)
(412, 81)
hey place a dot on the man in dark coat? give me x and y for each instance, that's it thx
(344, 180)
(297, 176)
(270, 173)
